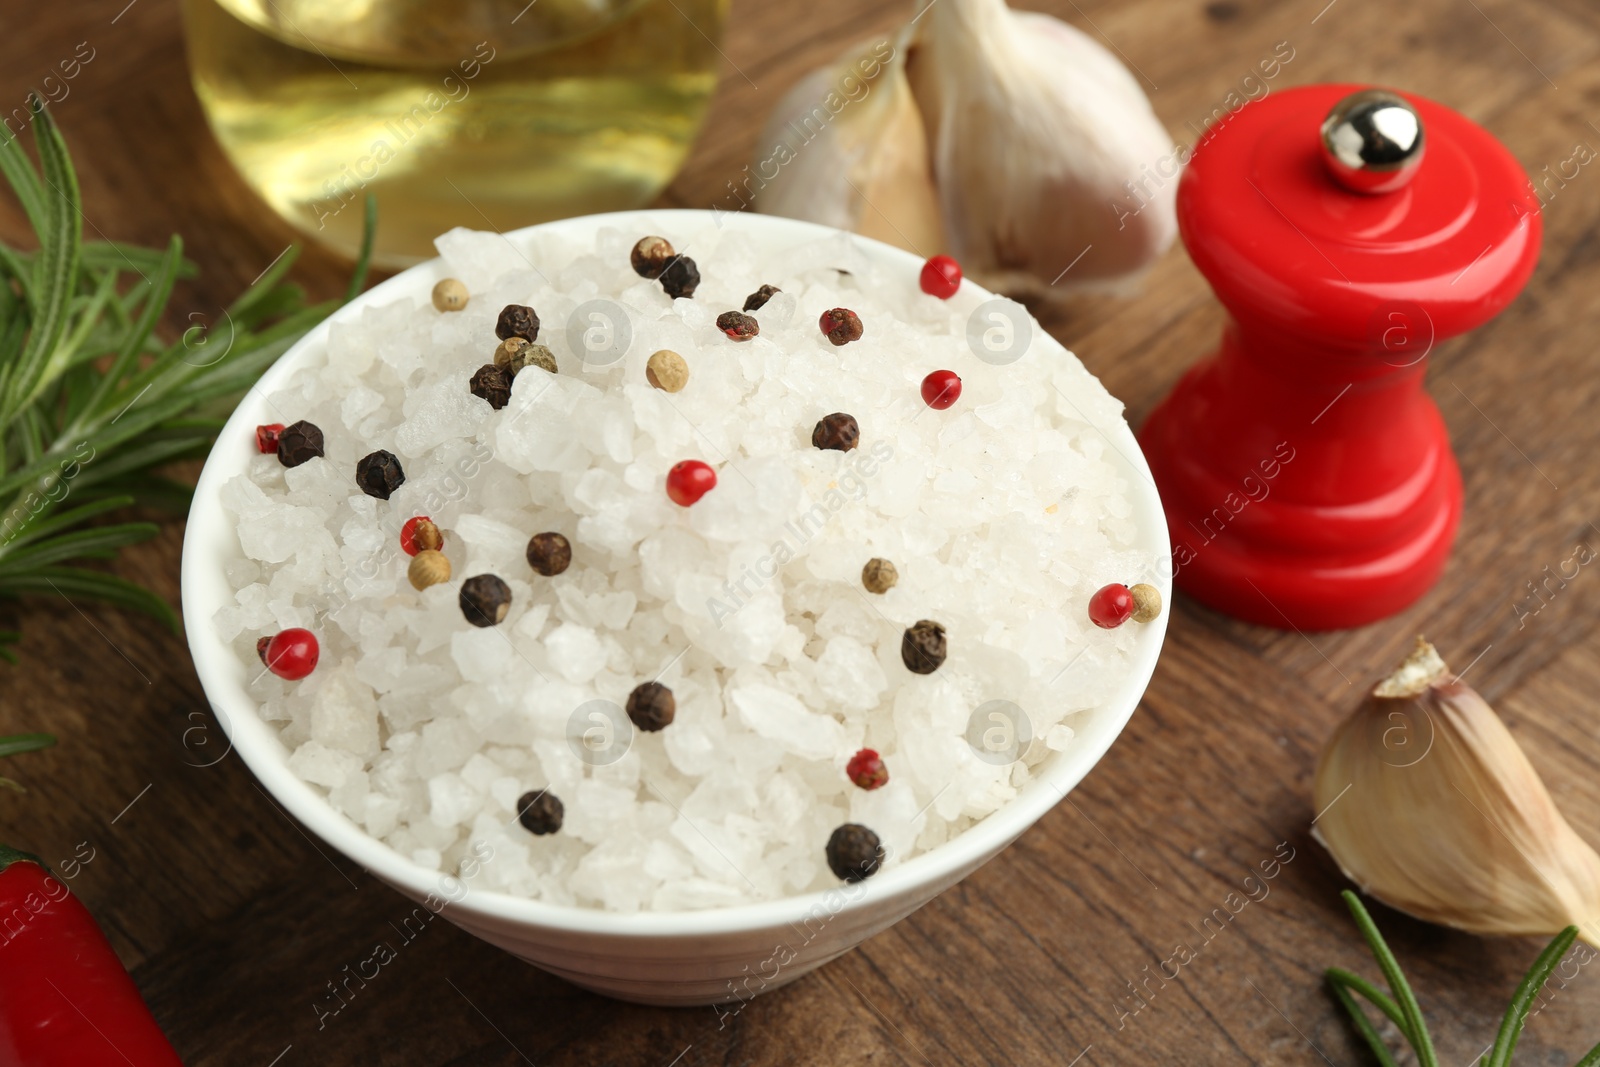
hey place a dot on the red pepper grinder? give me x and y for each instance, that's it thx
(1307, 478)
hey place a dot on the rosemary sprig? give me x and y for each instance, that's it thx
(91, 404)
(19, 743)
(1401, 1008)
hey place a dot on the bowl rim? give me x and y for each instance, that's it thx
(204, 589)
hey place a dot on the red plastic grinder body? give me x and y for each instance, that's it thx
(1307, 477)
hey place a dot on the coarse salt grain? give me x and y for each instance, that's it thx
(1001, 517)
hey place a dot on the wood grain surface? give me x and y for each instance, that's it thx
(232, 919)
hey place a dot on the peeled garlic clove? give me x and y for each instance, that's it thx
(1428, 803)
(846, 148)
(1035, 130)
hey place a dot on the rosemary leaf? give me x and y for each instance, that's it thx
(1517, 1014)
(369, 228)
(97, 541)
(71, 581)
(17, 744)
(54, 271)
(113, 255)
(154, 491)
(1416, 1028)
(142, 456)
(1405, 1014)
(92, 405)
(1363, 1025)
(1339, 978)
(33, 530)
(19, 172)
(158, 291)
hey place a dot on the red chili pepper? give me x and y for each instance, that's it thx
(64, 997)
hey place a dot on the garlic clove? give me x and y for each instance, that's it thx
(846, 148)
(1427, 802)
(1035, 130)
(1008, 138)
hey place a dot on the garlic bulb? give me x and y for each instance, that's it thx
(846, 149)
(1427, 802)
(1037, 149)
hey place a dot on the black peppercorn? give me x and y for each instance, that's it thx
(549, 553)
(854, 852)
(379, 474)
(737, 325)
(651, 706)
(758, 299)
(650, 256)
(517, 320)
(298, 443)
(540, 813)
(841, 326)
(493, 384)
(680, 277)
(923, 648)
(837, 431)
(485, 600)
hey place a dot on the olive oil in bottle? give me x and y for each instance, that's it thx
(490, 114)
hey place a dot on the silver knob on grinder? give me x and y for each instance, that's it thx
(1372, 141)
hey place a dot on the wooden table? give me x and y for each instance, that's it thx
(233, 920)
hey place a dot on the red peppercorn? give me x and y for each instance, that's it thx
(414, 539)
(941, 389)
(690, 480)
(267, 438)
(292, 653)
(840, 325)
(866, 769)
(941, 277)
(1111, 606)
(738, 326)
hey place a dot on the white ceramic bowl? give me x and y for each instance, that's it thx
(681, 958)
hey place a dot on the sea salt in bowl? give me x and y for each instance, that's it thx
(696, 939)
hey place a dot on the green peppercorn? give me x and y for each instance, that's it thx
(1146, 602)
(515, 353)
(535, 356)
(507, 352)
(879, 575)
